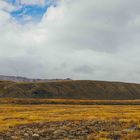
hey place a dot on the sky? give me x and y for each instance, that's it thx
(78, 39)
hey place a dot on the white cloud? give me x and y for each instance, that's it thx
(5, 8)
(78, 39)
(32, 2)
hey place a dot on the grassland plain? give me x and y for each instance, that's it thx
(128, 115)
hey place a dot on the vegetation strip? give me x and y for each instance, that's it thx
(67, 101)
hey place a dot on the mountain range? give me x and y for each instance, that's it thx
(24, 79)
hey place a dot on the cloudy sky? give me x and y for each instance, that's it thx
(79, 39)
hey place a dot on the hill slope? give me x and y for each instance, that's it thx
(96, 90)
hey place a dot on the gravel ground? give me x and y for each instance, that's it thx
(71, 130)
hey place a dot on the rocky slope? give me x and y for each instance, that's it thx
(69, 89)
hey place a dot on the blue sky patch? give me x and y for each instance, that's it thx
(24, 13)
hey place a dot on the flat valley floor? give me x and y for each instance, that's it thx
(69, 122)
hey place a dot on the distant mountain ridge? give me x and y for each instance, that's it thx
(24, 79)
(70, 89)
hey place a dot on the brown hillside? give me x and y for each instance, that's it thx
(93, 90)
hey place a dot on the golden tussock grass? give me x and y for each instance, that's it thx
(12, 114)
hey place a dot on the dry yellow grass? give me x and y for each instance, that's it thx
(11, 114)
